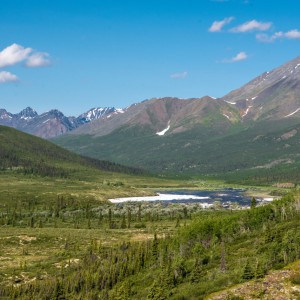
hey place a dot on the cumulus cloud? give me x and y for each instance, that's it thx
(39, 59)
(179, 75)
(7, 77)
(252, 25)
(239, 57)
(291, 35)
(218, 25)
(13, 54)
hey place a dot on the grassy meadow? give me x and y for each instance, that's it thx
(48, 224)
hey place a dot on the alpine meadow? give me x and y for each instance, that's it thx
(150, 150)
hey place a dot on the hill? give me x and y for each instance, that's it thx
(251, 132)
(32, 155)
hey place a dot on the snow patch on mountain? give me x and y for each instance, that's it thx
(226, 116)
(161, 133)
(120, 111)
(233, 103)
(246, 112)
(96, 113)
(294, 112)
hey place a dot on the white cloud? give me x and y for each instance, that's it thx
(291, 35)
(239, 57)
(38, 59)
(218, 25)
(13, 54)
(179, 75)
(252, 26)
(7, 77)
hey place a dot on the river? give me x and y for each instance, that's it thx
(226, 197)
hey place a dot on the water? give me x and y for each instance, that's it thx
(225, 197)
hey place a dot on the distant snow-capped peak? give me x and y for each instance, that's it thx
(100, 112)
(27, 113)
(96, 113)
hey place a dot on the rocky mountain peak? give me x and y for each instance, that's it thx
(27, 113)
(96, 113)
(56, 113)
(4, 115)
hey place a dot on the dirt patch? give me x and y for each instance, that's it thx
(26, 239)
(288, 135)
(275, 286)
(142, 237)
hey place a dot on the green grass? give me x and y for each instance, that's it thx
(48, 226)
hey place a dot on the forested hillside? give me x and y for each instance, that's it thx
(216, 250)
(32, 155)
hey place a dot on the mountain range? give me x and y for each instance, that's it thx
(252, 131)
(52, 123)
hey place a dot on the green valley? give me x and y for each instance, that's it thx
(61, 238)
(149, 150)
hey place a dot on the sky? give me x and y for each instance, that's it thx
(74, 55)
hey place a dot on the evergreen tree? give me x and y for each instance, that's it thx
(157, 292)
(248, 273)
(139, 214)
(100, 218)
(253, 203)
(128, 217)
(155, 248)
(223, 266)
(196, 274)
(260, 270)
(31, 222)
(123, 222)
(110, 223)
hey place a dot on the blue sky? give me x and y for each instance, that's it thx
(77, 54)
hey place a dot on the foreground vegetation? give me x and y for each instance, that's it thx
(61, 239)
(60, 244)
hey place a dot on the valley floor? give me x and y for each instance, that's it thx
(52, 228)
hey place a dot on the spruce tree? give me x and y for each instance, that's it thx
(128, 217)
(123, 222)
(248, 273)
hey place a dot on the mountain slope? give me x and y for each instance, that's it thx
(270, 96)
(33, 155)
(253, 132)
(155, 115)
